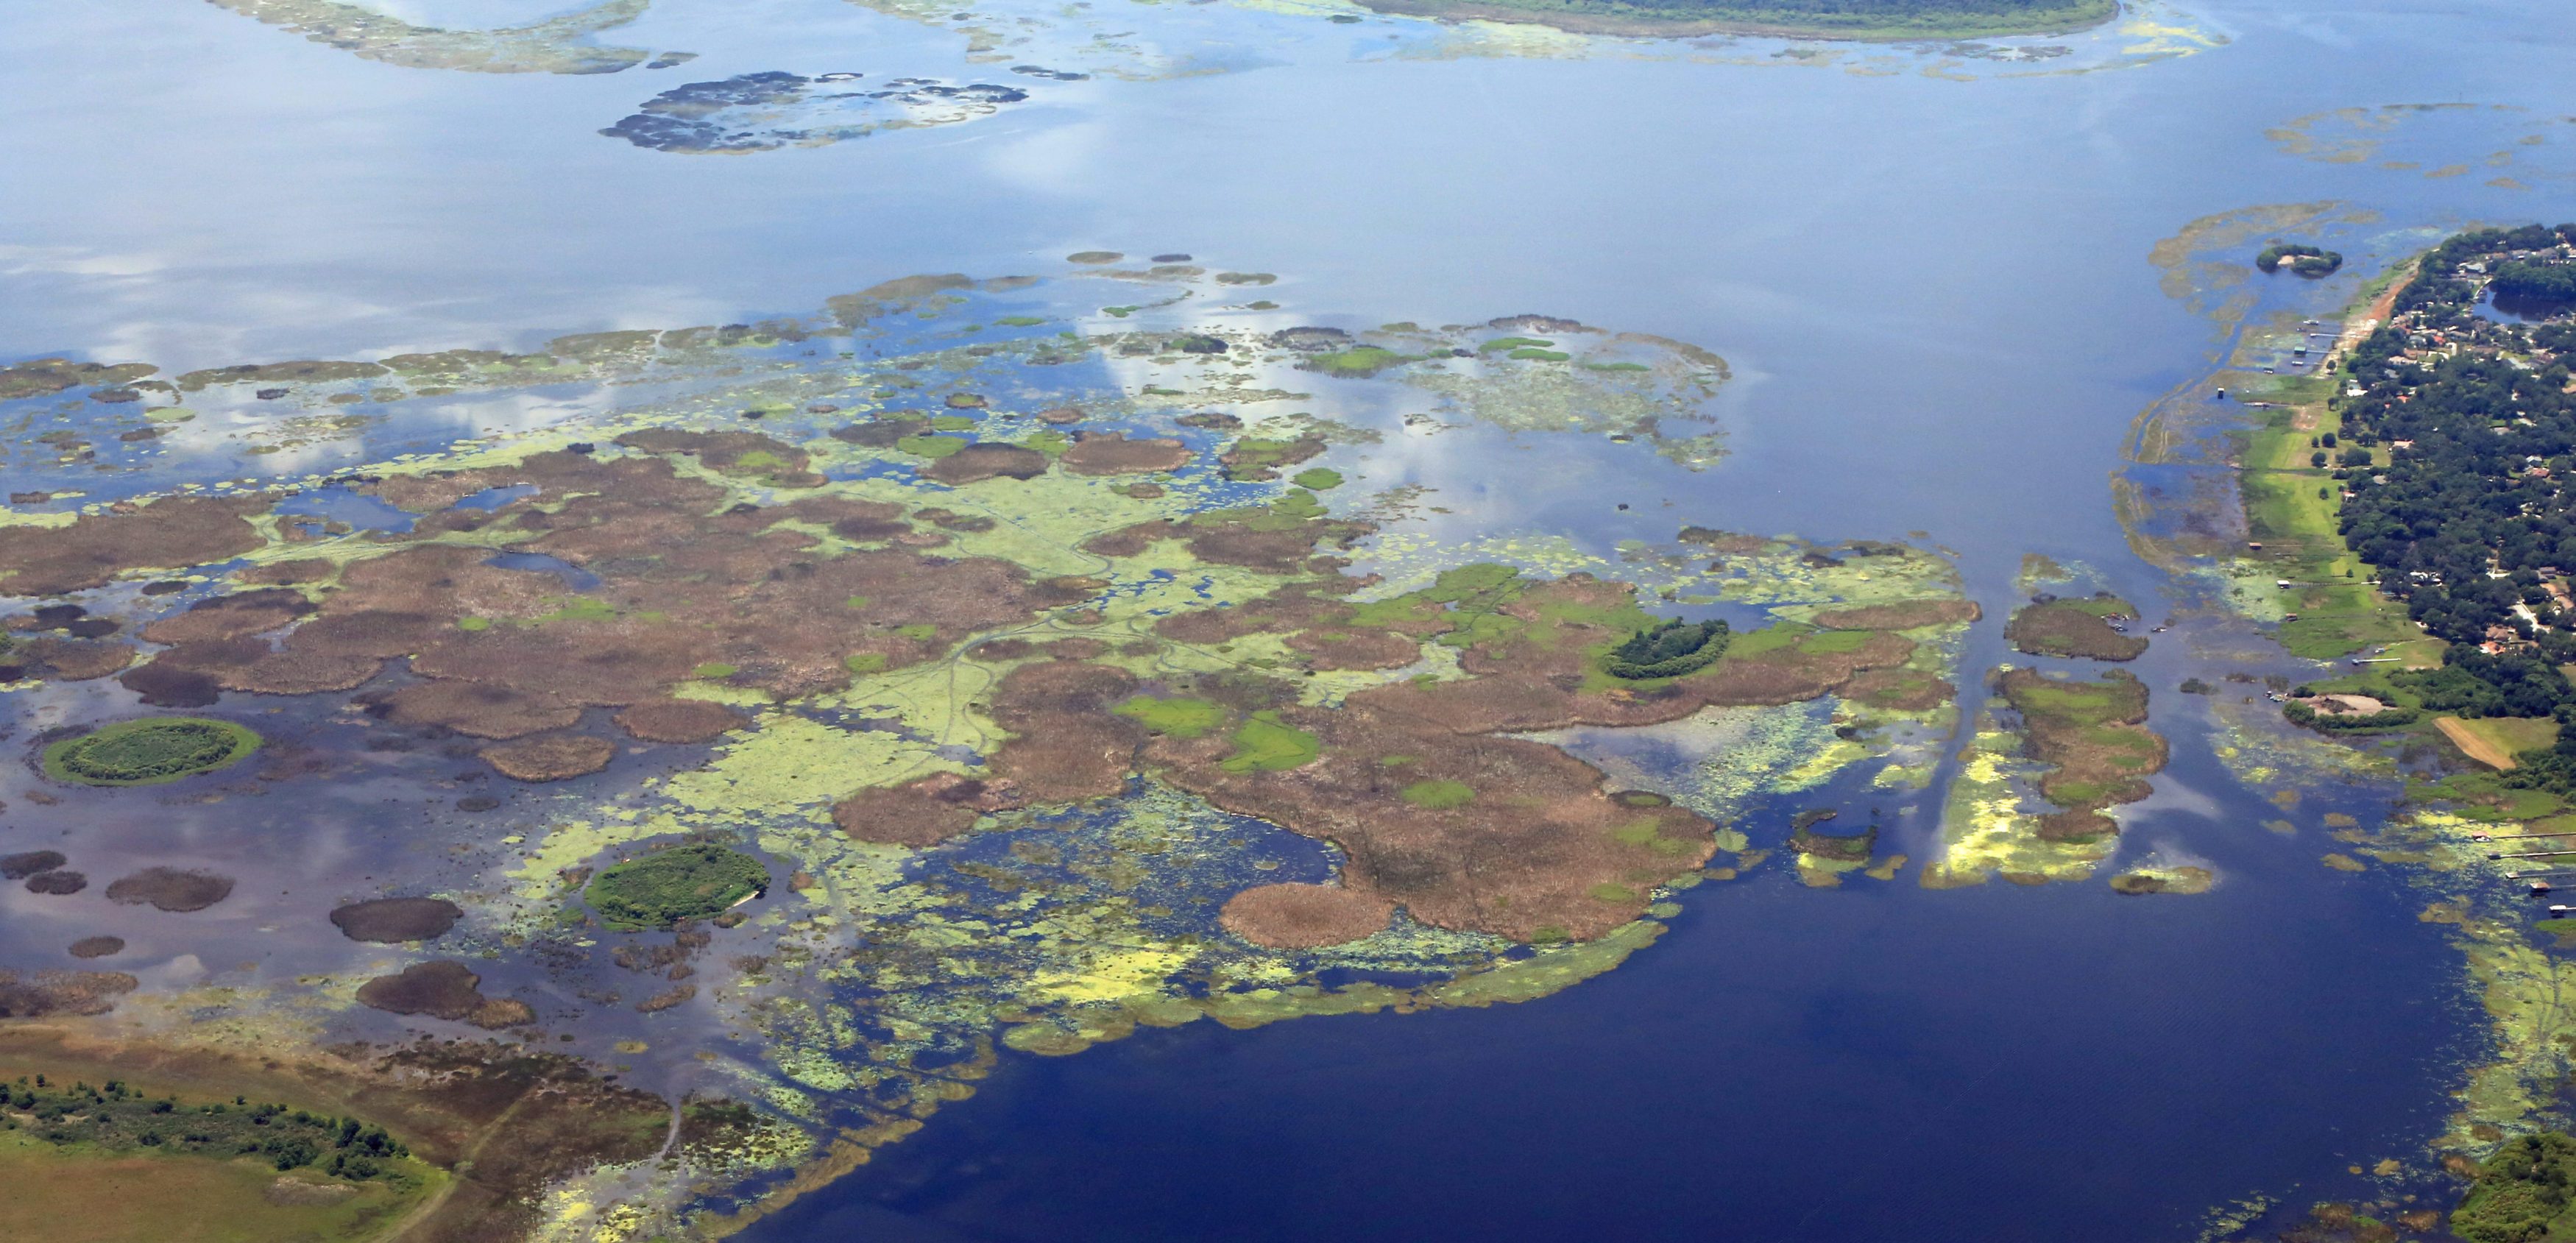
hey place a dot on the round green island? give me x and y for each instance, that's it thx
(149, 751)
(685, 882)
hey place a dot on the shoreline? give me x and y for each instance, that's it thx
(1642, 25)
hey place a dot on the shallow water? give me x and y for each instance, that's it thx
(1938, 304)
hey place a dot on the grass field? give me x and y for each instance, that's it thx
(2493, 741)
(80, 1195)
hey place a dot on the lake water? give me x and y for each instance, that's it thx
(1938, 302)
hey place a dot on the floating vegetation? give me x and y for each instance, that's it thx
(151, 751)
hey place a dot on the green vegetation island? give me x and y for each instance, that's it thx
(1877, 20)
(2303, 260)
(149, 752)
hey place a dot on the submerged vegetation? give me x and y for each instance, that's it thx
(149, 752)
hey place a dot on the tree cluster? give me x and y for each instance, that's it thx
(2460, 520)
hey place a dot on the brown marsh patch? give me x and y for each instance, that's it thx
(95, 548)
(1112, 453)
(552, 758)
(171, 889)
(1298, 916)
(391, 921)
(679, 720)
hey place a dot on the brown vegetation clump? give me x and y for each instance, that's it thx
(664, 1001)
(2094, 733)
(731, 453)
(66, 660)
(285, 573)
(444, 990)
(44, 377)
(1067, 747)
(58, 883)
(552, 758)
(977, 462)
(26, 864)
(1357, 649)
(679, 720)
(2067, 628)
(171, 889)
(62, 992)
(473, 709)
(1111, 453)
(924, 812)
(94, 548)
(231, 617)
(98, 947)
(391, 921)
(1903, 615)
(1059, 416)
(163, 684)
(1470, 832)
(1304, 916)
(305, 673)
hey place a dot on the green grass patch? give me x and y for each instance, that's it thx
(1359, 361)
(1439, 795)
(149, 751)
(920, 632)
(685, 882)
(473, 623)
(1543, 356)
(931, 446)
(1397, 761)
(953, 422)
(1608, 892)
(1180, 718)
(1836, 642)
(865, 662)
(1267, 744)
(1616, 367)
(713, 669)
(1320, 478)
(1020, 321)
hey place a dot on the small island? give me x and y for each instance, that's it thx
(149, 752)
(1668, 650)
(2302, 260)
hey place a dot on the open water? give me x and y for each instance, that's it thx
(1937, 298)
